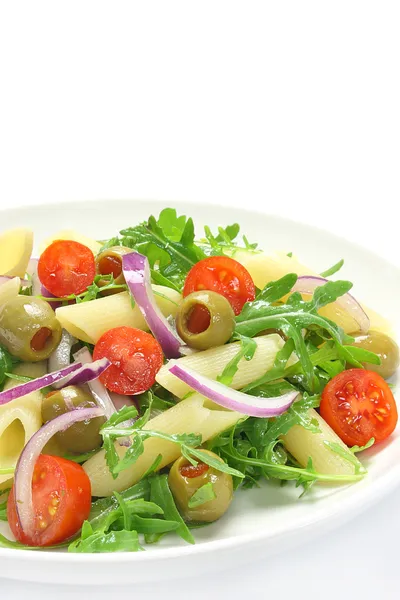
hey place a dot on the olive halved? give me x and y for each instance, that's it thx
(205, 319)
(80, 437)
(382, 345)
(29, 328)
(185, 480)
(109, 262)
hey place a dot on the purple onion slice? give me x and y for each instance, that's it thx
(308, 283)
(136, 271)
(253, 406)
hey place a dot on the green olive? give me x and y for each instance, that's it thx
(184, 480)
(109, 262)
(205, 319)
(385, 347)
(29, 328)
(80, 437)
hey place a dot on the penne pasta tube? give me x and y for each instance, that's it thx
(303, 444)
(265, 268)
(212, 362)
(19, 419)
(189, 416)
(15, 251)
(88, 321)
(75, 236)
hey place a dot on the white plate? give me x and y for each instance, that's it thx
(261, 521)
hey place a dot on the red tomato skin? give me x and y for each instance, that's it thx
(136, 358)
(66, 267)
(73, 494)
(223, 275)
(358, 404)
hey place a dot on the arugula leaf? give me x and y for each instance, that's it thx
(161, 495)
(246, 351)
(334, 269)
(356, 449)
(114, 541)
(294, 317)
(218, 465)
(7, 362)
(347, 455)
(204, 494)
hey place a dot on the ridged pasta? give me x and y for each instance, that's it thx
(189, 416)
(265, 268)
(71, 234)
(89, 320)
(212, 362)
(19, 419)
(303, 444)
(15, 251)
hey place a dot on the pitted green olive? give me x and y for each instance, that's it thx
(205, 319)
(185, 480)
(80, 437)
(29, 328)
(385, 347)
(109, 262)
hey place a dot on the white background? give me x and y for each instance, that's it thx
(290, 107)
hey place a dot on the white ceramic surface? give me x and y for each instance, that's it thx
(261, 521)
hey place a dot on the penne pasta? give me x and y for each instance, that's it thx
(19, 419)
(189, 416)
(89, 320)
(212, 362)
(71, 234)
(265, 268)
(15, 251)
(303, 444)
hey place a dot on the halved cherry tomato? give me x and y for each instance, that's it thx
(358, 405)
(66, 267)
(61, 502)
(223, 275)
(136, 358)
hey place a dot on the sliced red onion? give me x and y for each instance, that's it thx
(98, 390)
(120, 401)
(74, 374)
(254, 406)
(87, 373)
(308, 283)
(29, 455)
(61, 356)
(136, 271)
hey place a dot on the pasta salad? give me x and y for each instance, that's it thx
(148, 378)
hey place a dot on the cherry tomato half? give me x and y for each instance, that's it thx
(223, 275)
(136, 358)
(66, 267)
(61, 502)
(358, 405)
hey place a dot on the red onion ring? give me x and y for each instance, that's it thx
(136, 271)
(308, 283)
(29, 455)
(254, 406)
